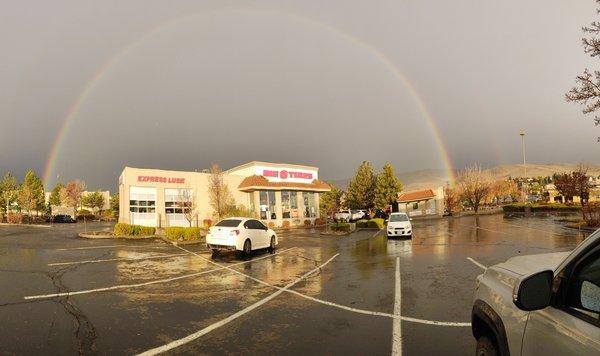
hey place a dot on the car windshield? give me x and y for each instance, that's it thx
(229, 223)
(398, 217)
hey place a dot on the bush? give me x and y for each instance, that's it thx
(343, 227)
(537, 207)
(286, 224)
(178, 233)
(319, 221)
(207, 223)
(122, 229)
(376, 223)
(307, 222)
(362, 223)
(591, 214)
(271, 225)
(14, 218)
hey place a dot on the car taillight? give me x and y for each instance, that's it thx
(234, 232)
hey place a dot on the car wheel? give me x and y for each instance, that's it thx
(272, 245)
(486, 347)
(215, 252)
(247, 248)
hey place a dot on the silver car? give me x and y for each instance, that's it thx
(546, 304)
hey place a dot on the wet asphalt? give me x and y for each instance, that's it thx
(437, 284)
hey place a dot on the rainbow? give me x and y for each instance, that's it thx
(102, 71)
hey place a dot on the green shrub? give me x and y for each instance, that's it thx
(376, 223)
(177, 233)
(122, 229)
(362, 223)
(341, 227)
(537, 207)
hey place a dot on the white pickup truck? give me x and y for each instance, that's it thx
(349, 215)
(546, 304)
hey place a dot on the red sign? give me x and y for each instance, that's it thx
(283, 174)
(161, 179)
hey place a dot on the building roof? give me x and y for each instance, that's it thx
(270, 164)
(259, 182)
(416, 196)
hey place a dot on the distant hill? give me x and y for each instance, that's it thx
(430, 178)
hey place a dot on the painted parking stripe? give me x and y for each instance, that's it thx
(483, 267)
(116, 259)
(158, 281)
(340, 306)
(397, 322)
(109, 246)
(208, 329)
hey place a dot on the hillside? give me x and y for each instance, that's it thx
(429, 178)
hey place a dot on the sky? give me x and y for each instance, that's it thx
(89, 87)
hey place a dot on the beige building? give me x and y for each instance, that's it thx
(427, 202)
(274, 192)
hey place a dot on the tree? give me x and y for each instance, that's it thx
(450, 200)
(55, 195)
(330, 202)
(503, 189)
(361, 190)
(573, 184)
(187, 203)
(114, 204)
(70, 195)
(94, 200)
(387, 187)
(31, 193)
(9, 191)
(475, 186)
(587, 85)
(218, 192)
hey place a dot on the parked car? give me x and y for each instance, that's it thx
(399, 225)
(547, 304)
(240, 234)
(343, 215)
(356, 215)
(59, 219)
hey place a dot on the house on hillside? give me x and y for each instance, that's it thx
(427, 202)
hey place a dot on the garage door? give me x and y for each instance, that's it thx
(142, 206)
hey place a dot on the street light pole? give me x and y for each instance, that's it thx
(522, 133)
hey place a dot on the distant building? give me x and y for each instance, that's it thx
(105, 194)
(553, 195)
(427, 202)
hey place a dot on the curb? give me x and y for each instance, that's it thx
(25, 225)
(86, 235)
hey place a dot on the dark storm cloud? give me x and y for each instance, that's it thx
(230, 83)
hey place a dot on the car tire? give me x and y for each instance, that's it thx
(215, 252)
(486, 347)
(272, 245)
(247, 248)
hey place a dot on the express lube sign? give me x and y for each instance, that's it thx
(159, 179)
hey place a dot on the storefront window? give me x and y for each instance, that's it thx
(310, 208)
(251, 203)
(289, 204)
(267, 205)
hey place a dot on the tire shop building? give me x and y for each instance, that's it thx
(278, 194)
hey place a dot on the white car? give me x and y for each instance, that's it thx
(546, 304)
(240, 234)
(357, 215)
(399, 225)
(343, 215)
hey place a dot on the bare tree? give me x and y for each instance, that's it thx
(475, 186)
(450, 200)
(503, 189)
(218, 192)
(70, 195)
(187, 203)
(587, 85)
(573, 184)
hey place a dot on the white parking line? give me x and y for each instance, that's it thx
(158, 281)
(376, 233)
(340, 306)
(232, 317)
(397, 322)
(116, 259)
(109, 246)
(477, 263)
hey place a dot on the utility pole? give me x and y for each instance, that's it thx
(522, 133)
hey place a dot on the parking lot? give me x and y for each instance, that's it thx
(360, 294)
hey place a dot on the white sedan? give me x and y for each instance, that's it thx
(240, 234)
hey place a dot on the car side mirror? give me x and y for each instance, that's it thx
(386, 220)
(533, 292)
